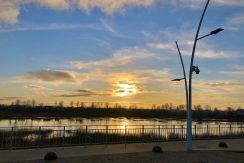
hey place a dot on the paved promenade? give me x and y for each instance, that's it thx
(66, 154)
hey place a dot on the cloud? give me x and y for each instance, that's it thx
(235, 22)
(119, 58)
(10, 9)
(55, 4)
(235, 70)
(77, 93)
(111, 6)
(199, 4)
(36, 87)
(10, 98)
(201, 52)
(165, 46)
(51, 27)
(224, 84)
(53, 77)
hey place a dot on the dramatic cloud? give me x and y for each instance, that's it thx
(53, 77)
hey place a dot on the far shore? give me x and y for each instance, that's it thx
(51, 112)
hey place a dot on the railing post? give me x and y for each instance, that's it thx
(219, 131)
(12, 136)
(86, 135)
(39, 137)
(241, 127)
(207, 131)
(158, 132)
(195, 131)
(230, 131)
(142, 133)
(174, 130)
(125, 134)
(64, 135)
(182, 131)
(106, 134)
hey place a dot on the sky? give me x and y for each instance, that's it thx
(120, 51)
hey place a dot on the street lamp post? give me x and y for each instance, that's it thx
(184, 73)
(196, 70)
(189, 110)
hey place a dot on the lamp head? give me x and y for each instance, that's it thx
(216, 31)
(177, 79)
(196, 69)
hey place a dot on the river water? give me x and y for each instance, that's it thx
(96, 122)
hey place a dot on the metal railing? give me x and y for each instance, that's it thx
(49, 136)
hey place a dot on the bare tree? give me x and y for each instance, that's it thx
(17, 102)
(154, 106)
(77, 104)
(82, 105)
(93, 105)
(72, 104)
(61, 104)
(106, 105)
(33, 103)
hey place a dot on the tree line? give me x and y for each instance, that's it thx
(99, 109)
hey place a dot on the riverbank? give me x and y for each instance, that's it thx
(204, 151)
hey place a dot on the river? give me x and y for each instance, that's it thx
(101, 122)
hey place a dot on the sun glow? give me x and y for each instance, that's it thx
(125, 90)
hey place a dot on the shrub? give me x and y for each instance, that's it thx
(50, 156)
(157, 149)
(223, 145)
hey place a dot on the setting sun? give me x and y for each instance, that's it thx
(125, 90)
